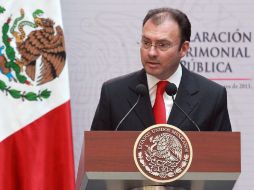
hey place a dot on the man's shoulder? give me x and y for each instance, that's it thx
(125, 79)
(202, 81)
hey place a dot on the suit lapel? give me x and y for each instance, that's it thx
(143, 109)
(187, 98)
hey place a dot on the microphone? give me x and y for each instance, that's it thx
(141, 90)
(171, 90)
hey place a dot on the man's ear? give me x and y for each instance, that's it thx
(184, 48)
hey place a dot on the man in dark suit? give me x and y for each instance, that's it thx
(165, 40)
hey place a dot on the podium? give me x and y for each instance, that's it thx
(107, 163)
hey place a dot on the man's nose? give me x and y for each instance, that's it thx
(152, 51)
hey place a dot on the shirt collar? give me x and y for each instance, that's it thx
(175, 78)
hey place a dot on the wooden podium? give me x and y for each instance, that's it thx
(107, 162)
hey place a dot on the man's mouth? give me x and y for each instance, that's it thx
(152, 62)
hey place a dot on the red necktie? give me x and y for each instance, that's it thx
(159, 109)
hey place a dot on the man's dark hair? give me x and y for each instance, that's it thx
(159, 15)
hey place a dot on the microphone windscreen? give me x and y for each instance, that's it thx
(171, 89)
(141, 89)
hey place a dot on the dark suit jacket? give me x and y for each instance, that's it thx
(205, 101)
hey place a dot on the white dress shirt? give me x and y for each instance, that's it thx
(152, 87)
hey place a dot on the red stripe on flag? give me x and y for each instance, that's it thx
(40, 155)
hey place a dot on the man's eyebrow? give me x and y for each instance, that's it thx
(164, 40)
(159, 40)
(144, 37)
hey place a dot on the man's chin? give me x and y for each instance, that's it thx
(153, 72)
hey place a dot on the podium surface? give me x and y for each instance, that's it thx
(107, 162)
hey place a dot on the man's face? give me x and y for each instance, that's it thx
(159, 61)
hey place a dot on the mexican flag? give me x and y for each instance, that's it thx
(36, 150)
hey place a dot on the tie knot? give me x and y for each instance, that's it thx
(161, 85)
